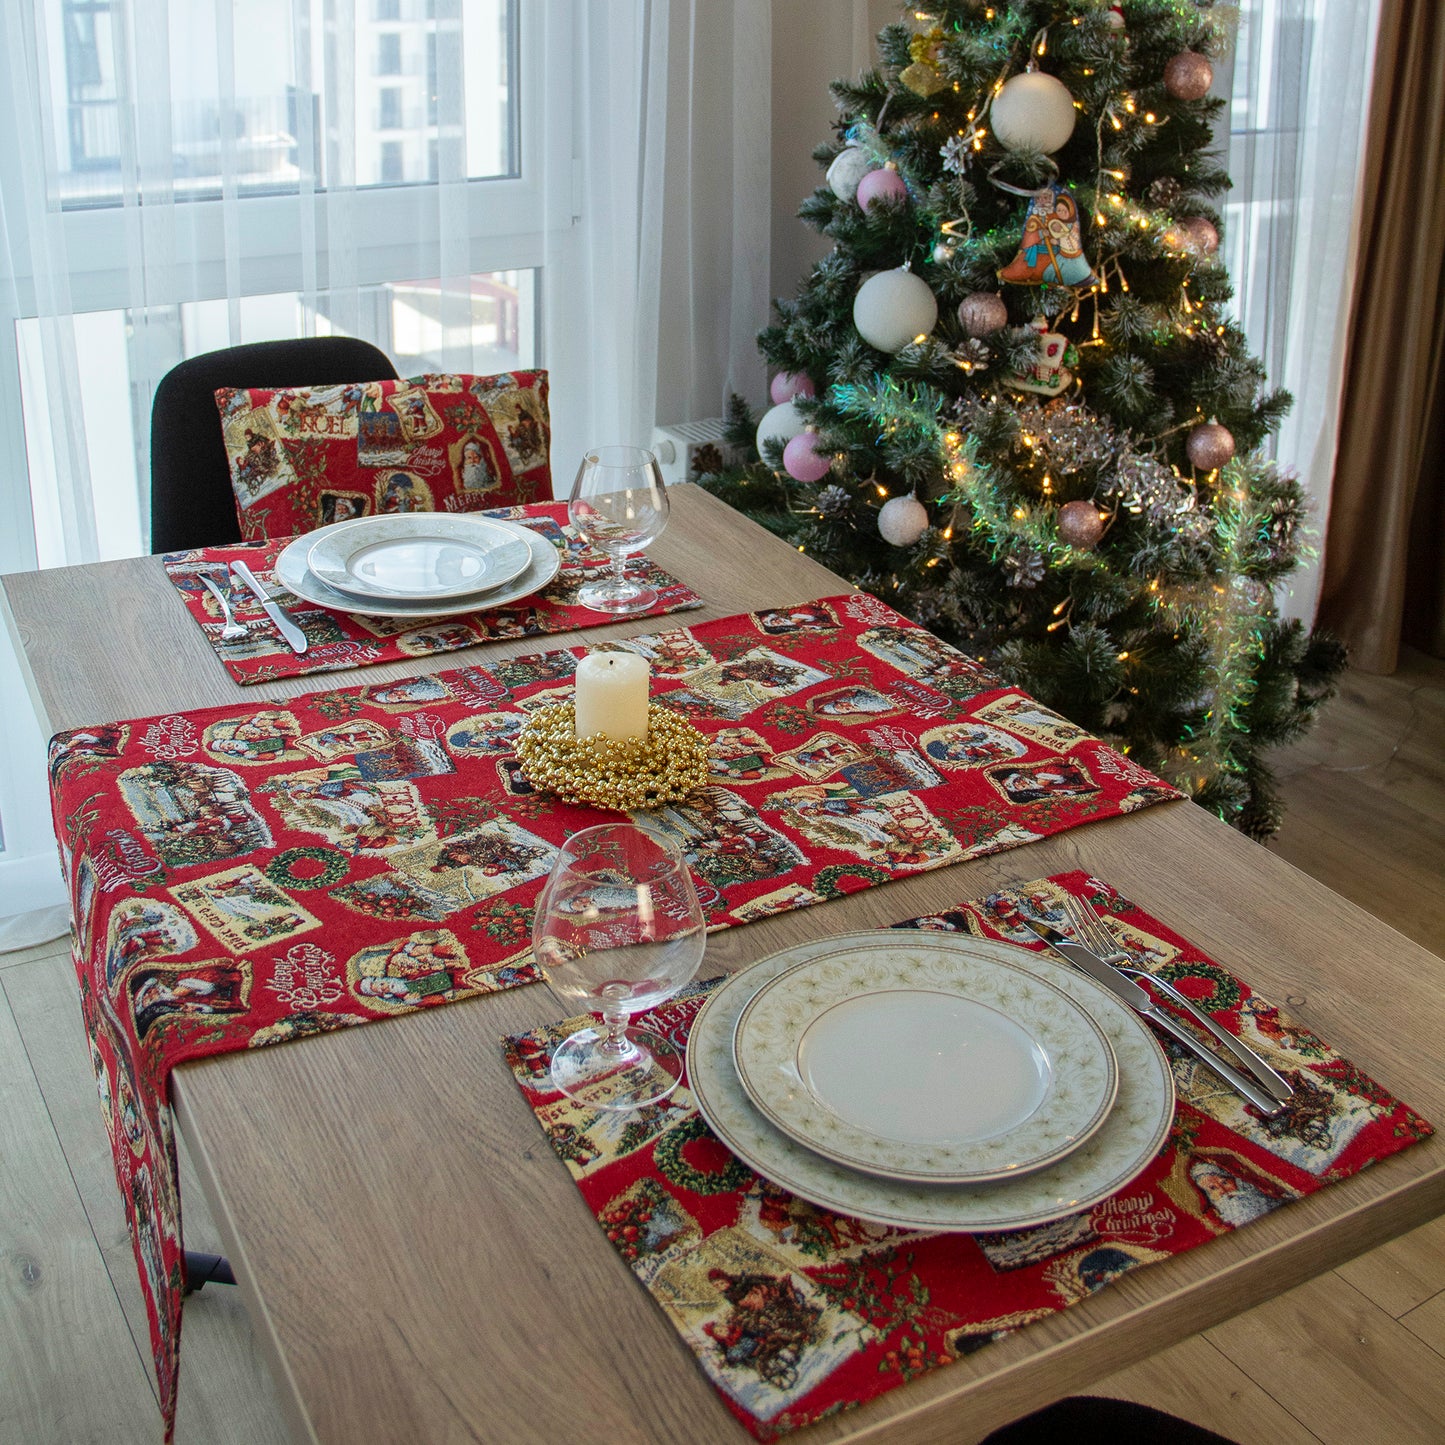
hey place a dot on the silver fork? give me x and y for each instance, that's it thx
(231, 630)
(1097, 937)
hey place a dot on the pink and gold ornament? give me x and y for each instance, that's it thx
(788, 384)
(1080, 524)
(881, 185)
(1210, 446)
(982, 313)
(1188, 76)
(803, 461)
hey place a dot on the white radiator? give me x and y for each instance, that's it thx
(687, 448)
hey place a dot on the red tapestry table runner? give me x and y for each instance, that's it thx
(352, 639)
(794, 1311)
(244, 875)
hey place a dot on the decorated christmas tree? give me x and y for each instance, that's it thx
(1012, 402)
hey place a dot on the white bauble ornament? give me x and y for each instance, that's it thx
(902, 521)
(781, 425)
(1033, 112)
(892, 308)
(848, 168)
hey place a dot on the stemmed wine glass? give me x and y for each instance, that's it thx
(618, 929)
(619, 505)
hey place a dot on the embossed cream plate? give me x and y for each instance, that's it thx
(1123, 1146)
(916, 1060)
(418, 557)
(297, 578)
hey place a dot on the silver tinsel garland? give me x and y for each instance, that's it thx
(1070, 439)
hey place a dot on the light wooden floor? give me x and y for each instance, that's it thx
(1352, 1358)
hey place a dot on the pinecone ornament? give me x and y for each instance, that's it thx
(1164, 192)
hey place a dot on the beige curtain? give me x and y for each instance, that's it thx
(1384, 580)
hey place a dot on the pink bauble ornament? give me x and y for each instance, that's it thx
(788, 384)
(902, 521)
(802, 462)
(883, 185)
(982, 313)
(1080, 525)
(1210, 446)
(1200, 234)
(1188, 76)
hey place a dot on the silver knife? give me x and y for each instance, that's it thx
(295, 638)
(1138, 999)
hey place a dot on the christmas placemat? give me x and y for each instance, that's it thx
(353, 639)
(244, 875)
(795, 1312)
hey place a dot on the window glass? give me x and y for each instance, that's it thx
(286, 99)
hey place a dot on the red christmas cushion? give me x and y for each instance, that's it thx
(302, 457)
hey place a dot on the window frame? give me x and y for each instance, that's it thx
(506, 221)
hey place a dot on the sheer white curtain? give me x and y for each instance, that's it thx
(471, 184)
(1300, 99)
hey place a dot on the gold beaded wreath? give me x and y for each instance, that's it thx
(622, 773)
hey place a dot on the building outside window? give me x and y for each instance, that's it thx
(388, 53)
(281, 130)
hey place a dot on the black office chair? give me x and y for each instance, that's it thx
(192, 504)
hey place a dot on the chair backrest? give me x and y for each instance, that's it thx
(192, 504)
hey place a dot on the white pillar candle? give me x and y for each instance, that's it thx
(612, 695)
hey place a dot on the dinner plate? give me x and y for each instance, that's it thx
(421, 557)
(1129, 1138)
(296, 577)
(916, 1060)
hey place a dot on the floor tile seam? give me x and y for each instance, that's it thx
(74, 1182)
(21, 956)
(1411, 723)
(1385, 1319)
(1259, 1384)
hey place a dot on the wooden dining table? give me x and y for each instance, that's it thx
(418, 1263)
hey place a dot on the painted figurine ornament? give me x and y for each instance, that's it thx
(1052, 248)
(1048, 375)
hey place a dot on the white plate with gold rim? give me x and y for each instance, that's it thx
(297, 578)
(916, 1060)
(418, 557)
(1120, 1149)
